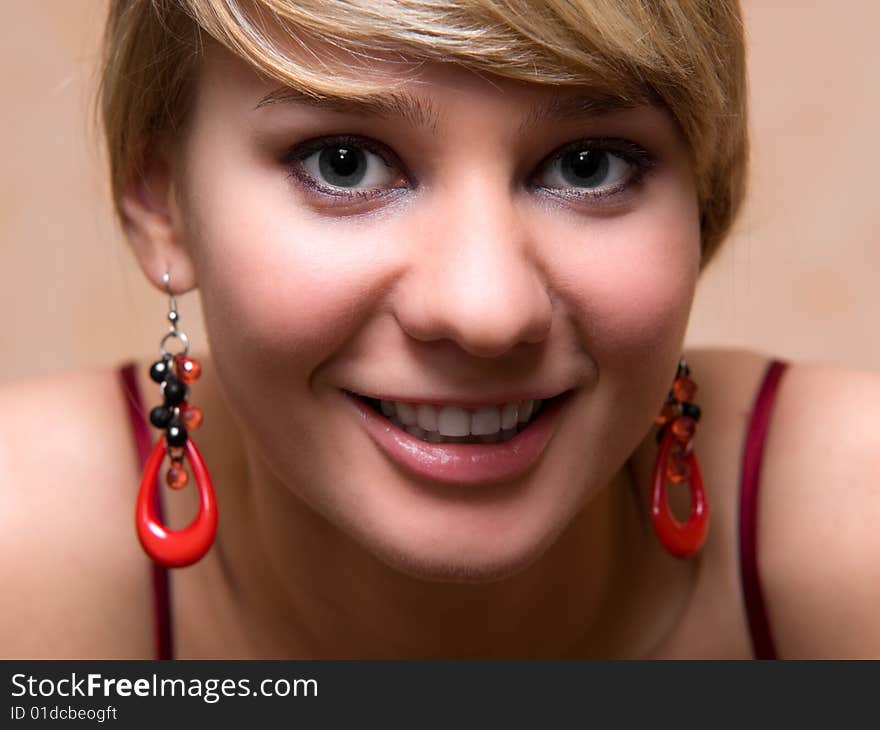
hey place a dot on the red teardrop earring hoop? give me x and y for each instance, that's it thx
(177, 417)
(677, 463)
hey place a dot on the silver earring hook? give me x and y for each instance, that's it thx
(173, 316)
(174, 330)
(683, 368)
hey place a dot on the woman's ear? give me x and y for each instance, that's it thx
(153, 223)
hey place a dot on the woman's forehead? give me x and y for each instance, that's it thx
(417, 91)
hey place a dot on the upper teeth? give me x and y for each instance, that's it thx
(455, 421)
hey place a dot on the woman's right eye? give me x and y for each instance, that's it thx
(344, 167)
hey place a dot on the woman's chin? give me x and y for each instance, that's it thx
(438, 569)
(453, 559)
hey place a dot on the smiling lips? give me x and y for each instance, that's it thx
(478, 460)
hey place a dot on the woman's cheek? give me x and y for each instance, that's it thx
(631, 286)
(629, 292)
(638, 308)
(298, 302)
(270, 281)
(273, 280)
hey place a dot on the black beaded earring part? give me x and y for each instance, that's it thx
(161, 370)
(161, 416)
(176, 416)
(176, 434)
(174, 391)
(691, 410)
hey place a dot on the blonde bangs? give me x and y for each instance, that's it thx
(685, 55)
(508, 39)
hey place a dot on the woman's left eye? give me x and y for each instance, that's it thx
(595, 169)
(344, 167)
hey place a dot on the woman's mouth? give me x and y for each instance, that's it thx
(461, 445)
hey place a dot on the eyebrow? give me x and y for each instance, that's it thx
(416, 111)
(422, 113)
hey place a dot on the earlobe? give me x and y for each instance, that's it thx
(153, 225)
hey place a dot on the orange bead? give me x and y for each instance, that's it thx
(188, 370)
(684, 388)
(190, 416)
(176, 477)
(683, 428)
(677, 468)
(670, 412)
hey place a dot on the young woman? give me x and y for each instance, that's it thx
(409, 222)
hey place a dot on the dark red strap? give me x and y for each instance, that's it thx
(759, 626)
(161, 590)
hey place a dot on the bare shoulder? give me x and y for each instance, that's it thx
(819, 546)
(75, 584)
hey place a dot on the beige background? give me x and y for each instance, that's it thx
(797, 279)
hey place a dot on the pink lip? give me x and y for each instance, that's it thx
(463, 463)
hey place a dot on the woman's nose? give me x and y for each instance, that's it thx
(474, 276)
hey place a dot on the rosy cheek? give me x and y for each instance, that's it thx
(269, 281)
(284, 296)
(636, 307)
(290, 299)
(630, 286)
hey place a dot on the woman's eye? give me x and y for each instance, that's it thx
(355, 168)
(342, 167)
(595, 171)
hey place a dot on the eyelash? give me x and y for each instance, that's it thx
(640, 160)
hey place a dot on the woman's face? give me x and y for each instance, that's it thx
(468, 250)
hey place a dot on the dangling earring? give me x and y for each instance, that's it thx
(174, 372)
(677, 463)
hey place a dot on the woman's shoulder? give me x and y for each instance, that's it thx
(820, 502)
(819, 499)
(76, 583)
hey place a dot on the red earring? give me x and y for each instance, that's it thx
(175, 372)
(677, 463)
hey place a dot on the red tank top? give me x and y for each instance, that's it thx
(753, 452)
(759, 627)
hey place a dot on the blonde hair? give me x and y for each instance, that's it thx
(687, 55)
